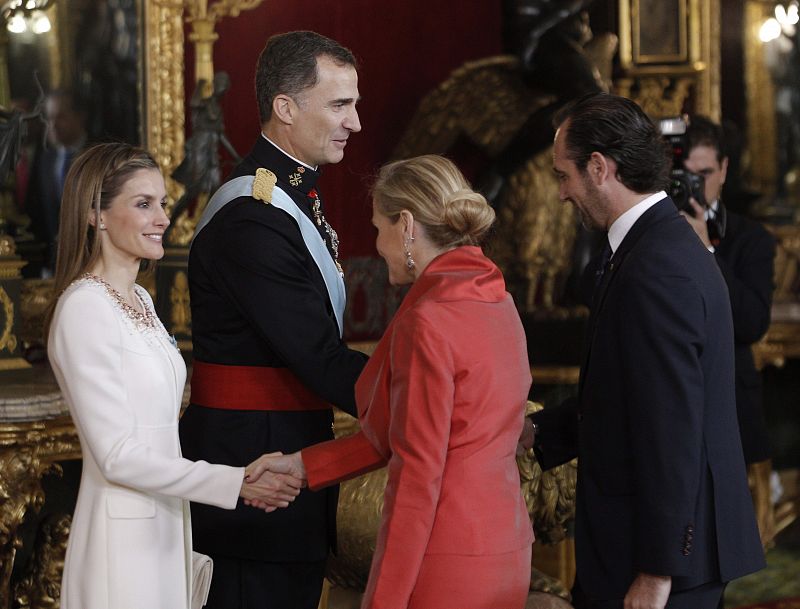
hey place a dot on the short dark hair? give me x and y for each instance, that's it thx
(616, 127)
(702, 131)
(288, 65)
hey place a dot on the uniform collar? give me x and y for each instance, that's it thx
(288, 170)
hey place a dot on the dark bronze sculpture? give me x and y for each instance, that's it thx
(200, 170)
(495, 113)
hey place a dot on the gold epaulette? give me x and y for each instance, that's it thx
(264, 184)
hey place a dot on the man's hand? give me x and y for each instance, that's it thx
(698, 221)
(277, 463)
(526, 438)
(648, 592)
(269, 490)
(286, 470)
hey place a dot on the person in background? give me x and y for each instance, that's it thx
(745, 254)
(122, 378)
(440, 401)
(66, 138)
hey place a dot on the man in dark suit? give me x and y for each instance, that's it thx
(267, 298)
(66, 137)
(664, 517)
(745, 253)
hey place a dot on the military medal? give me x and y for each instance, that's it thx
(319, 218)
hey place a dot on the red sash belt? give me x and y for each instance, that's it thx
(250, 388)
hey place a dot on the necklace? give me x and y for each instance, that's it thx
(147, 319)
(319, 218)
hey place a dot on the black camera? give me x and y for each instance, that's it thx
(683, 184)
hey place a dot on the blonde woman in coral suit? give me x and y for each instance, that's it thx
(122, 377)
(441, 402)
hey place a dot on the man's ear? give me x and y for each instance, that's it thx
(723, 170)
(598, 168)
(284, 108)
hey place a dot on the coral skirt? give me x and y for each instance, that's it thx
(448, 581)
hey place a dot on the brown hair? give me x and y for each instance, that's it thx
(435, 192)
(94, 179)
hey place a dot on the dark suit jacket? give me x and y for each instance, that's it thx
(746, 256)
(43, 199)
(661, 478)
(258, 299)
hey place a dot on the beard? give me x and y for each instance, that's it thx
(593, 207)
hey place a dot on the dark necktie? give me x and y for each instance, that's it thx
(602, 266)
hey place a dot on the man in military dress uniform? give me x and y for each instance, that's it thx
(267, 298)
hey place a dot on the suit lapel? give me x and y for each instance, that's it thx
(657, 213)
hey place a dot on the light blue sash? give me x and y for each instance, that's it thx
(243, 187)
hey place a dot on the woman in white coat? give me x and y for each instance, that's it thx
(122, 377)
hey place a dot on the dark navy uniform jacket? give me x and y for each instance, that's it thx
(258, 299)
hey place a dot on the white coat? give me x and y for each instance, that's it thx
(130, 542)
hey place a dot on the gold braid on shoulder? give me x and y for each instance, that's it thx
(264, 184)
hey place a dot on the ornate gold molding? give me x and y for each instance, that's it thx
(203, 18)
(180, 312)
(163, 89)
(163, 96)
(659, 95)
(40, 587)
(9, 269)
(699, 68)
(762, 137)
(28, 450)
(7, 339)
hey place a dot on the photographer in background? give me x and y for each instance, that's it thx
(744, 252)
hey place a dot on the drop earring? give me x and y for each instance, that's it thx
(410, 264)
(102, 226)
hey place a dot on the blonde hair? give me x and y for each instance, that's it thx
(435, 192)
(94, 179)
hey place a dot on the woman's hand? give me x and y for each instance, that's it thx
(268, 486)
(273, 480)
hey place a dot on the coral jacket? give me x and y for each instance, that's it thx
(442, 402)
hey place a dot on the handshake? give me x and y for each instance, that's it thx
(273, 480)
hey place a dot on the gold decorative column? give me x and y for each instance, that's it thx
(762, 129)
(10, 286)
(172, 289)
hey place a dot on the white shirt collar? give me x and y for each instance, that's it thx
(712, 209)
(296, 160)
(621, 226)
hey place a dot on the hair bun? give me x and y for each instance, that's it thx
(467, 214)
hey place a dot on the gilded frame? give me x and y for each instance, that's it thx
(673, 18)
(161, 83)
(697, 69)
